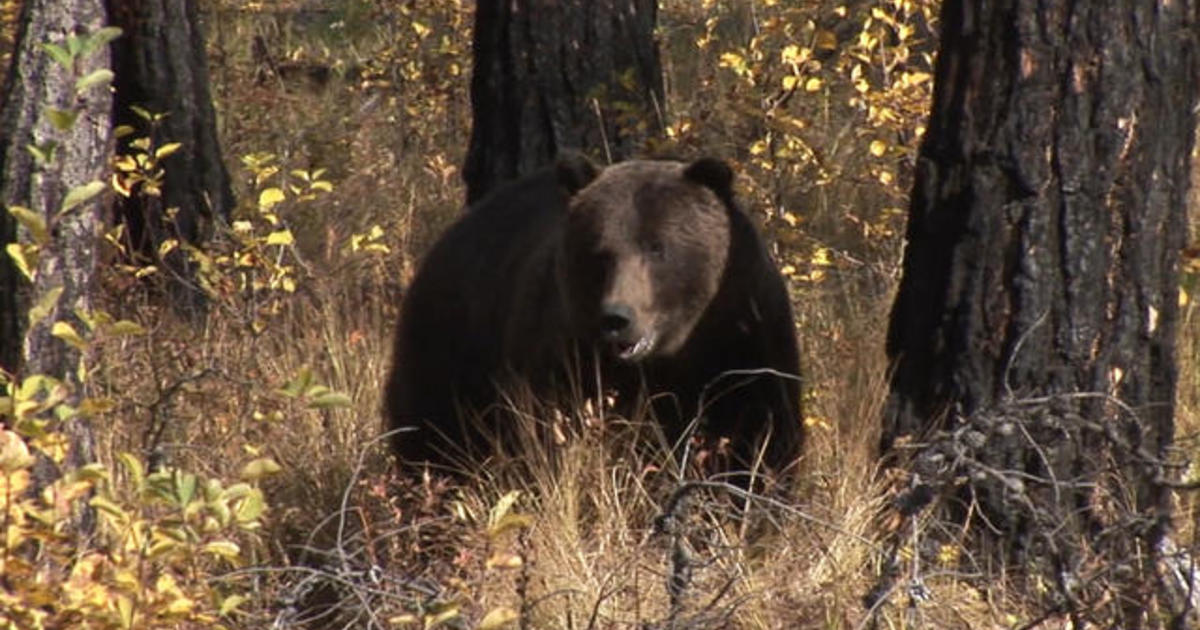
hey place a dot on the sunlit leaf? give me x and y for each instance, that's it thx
(269, 197)
(125, 328)
(59, 55)
(67, 333)
(61, 119)
(32, 221)
(225, 548)
(81, 194)
(102, 76)
(44, 306)
(499, 617)
(329, 400)
(280, 237)
(259, 468)
(167, 149)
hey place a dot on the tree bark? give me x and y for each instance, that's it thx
(40, 86)
(1034, 330)
(550, 75)
(162, 67)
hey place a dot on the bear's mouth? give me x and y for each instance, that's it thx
(633, 350)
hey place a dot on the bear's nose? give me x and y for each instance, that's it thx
(615, 319)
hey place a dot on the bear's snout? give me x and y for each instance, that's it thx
(618, 327)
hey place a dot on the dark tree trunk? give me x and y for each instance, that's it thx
(1033, 333)
(41, 89)
(162, 67)
(550, 75)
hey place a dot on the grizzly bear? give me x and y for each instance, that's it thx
(643, 278)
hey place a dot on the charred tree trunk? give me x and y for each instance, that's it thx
(548, 75)
(1033, 334)
(55, 144)
(162, 68)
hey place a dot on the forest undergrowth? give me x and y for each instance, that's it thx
(346, 142)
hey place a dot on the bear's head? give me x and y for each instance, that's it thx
(644, 252)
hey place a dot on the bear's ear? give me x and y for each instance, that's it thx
(713, 173)
(574, 171)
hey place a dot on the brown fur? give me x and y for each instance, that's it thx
(646, 272)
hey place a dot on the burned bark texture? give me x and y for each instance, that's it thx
(550, 75)
(162, 67)
(1034, 329)
(38, 86)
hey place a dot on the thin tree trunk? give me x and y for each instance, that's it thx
(550, 75)
(162, 67)
(1034, 330)
(41, 89)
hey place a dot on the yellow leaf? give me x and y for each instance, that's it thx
(167, 149)
(167, 246)
(125, 328)
(32, 221)
(14, 453)
(224, 548)
(812, 84)
(280, 237)
(498, 618)
(260, 468)
(878, 147)
(67, 333)
(789, 82)
(790, 54)
(24, 257)
(504, 560)
(231, 603)
(269, 197)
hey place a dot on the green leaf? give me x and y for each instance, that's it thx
(67, 333)
(74, 45)
(60, 55)
(185, 487)
(80, 194)
(108, 507)
(100, 38)
(330, 400)
(103, 76)
(298, 385)
(167, 149)
(133, 466)
(42, 154)
(120, 131)
(33, 221)
(62, 119)
(250, 509)
(25, 258)
(44, 306)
